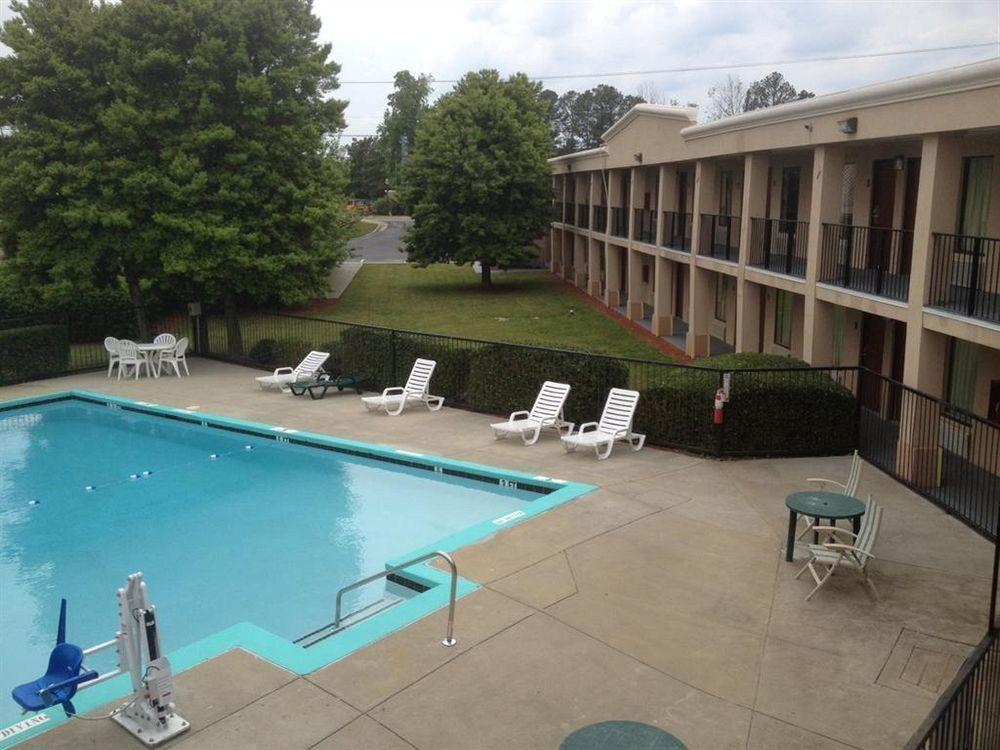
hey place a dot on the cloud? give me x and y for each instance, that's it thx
(372, 40)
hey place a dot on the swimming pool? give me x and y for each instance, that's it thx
(244, 532)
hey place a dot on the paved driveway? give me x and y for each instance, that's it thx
(382, 245)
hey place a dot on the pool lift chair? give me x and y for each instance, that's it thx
(149, 713)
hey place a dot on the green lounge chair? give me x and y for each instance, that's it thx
(318, 386)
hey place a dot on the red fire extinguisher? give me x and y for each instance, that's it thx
(717, 412)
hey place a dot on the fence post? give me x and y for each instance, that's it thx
(720, 429)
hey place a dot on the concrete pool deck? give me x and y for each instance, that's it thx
(662, 597)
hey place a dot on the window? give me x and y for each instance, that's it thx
(783, 303)
(726, 193)
(849, 178)
(839, 326)
(960, 373)
(975, 195)
(645, 274)
(723, 287)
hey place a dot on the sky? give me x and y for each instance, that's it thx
(374, 39)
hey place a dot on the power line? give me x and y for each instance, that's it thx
(729, 66)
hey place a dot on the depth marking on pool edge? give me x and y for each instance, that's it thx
(23, 726)
(508, 518)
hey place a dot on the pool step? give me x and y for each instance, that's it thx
(349, 620)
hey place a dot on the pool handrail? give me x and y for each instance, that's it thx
(449, 639)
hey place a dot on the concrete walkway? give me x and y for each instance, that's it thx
(662, 597)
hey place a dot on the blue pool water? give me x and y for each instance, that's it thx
(265, 535)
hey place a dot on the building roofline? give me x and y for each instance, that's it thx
(683, 114)
(948, 81)
(599, 151)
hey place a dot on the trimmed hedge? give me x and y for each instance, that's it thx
(283, 352)
(787, 412)
(506, 378)
(33, 352)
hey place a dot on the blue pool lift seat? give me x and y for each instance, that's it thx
(62, 678)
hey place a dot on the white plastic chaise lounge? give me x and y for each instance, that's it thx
(306, 369)
(849, 488)
(393, 400)
(615, 425)
(547, 411)
(844, 549)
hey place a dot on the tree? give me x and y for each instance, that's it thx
(727, 98)
(578, 120)
(770, 90)
(408, 103)
(478, 180)
(181, 143)
(366, 168)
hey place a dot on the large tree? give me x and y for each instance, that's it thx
(366, 168)
(407, 104)
(478, 180)
(727, 98)
(770, 90)
(182, 142)
(579, 119)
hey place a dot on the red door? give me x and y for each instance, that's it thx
(678, 291)
(880, 219)
(993, 414)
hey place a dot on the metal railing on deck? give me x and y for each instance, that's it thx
(720, 237)
(965, 276)
(779, 245)
(644, 226)
(677, 231)
(872, 260)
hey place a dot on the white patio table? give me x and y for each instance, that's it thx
(150, 352)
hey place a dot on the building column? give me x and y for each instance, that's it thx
(660, 208)
(926, 351)
(702, 293)
(580, 261)
(748, 296)
(594, 250)
(630, 203)
(827, 185)
(612, 264)
(634, 285)
(663, 317)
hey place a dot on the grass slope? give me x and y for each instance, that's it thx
(524, 307)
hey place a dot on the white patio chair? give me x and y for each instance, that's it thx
(393, 400)
(111, 345)
(547, 411)
(129, 356)
(844, 549)
(165, 338)
(615, 425)
(850, 487)
(307, 368)
(176, 357)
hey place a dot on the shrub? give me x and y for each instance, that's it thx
(282, 352)
(33, 352)
(506, 378)
(803, 413)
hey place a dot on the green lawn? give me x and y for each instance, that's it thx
(360, 228)
(524, 307)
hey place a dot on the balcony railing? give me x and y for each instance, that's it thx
(779, 245)
(619, 222)
(600, 219)
(677, 231)
(583, 215)
(965, 276)
(644, 227)
(867, 259)
(720, 237)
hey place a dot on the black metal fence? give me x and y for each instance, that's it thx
(779, 245)
(965, 276)
(967, 715)
(644, 226)
(867, 259)
(677, 231)
(720, 237)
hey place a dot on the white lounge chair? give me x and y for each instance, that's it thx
(176, 357)
(393, 400)
(307, 368)
(129, 356)
(850, 487)
(546, 412)
(615, 424)
(111, 345)
(844, 549)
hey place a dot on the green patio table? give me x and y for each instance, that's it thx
(830, 505)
